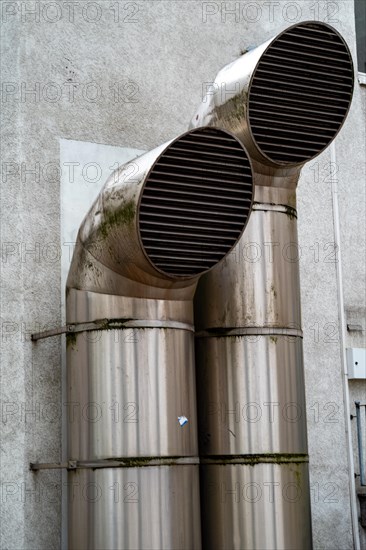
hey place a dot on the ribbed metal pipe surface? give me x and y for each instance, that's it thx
(196, 202)
(300, 93)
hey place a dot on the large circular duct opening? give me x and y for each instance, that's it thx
(300, 93)
(195, 202)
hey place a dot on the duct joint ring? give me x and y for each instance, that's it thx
(108, 324)
(250, 331)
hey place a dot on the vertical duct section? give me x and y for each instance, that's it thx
(294, 94)
(156, 226)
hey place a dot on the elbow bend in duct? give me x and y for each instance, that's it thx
(164, 219)
(292, 96)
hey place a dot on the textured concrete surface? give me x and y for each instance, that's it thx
(158, 55)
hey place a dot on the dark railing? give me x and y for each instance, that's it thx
(361, 450)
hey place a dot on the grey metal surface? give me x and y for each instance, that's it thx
(250, 395)
(259, 506)
(131, 384)
(257, 284)
(145, 508)
(130, 391)
(84, 307)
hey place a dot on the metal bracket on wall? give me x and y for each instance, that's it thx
(69, 329)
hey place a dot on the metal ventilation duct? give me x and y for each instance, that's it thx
(286, 100)
(130, 362)
(291, 97)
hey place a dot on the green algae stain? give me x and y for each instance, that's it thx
(273, 290)
(291, 212)
(71, 339)
(124, 216)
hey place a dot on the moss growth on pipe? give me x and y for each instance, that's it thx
(298, 476)
(255, 459)
(141, 461)
(239, 103)
(123, 216)
(71, 339)
(235, 108)
(290, 212)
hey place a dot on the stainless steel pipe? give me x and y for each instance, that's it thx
(291, 97)
(156, 226)
(251, 398)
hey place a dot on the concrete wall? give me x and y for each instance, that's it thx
(131, 74)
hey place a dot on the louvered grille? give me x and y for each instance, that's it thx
(195, 202)
(300, 93)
